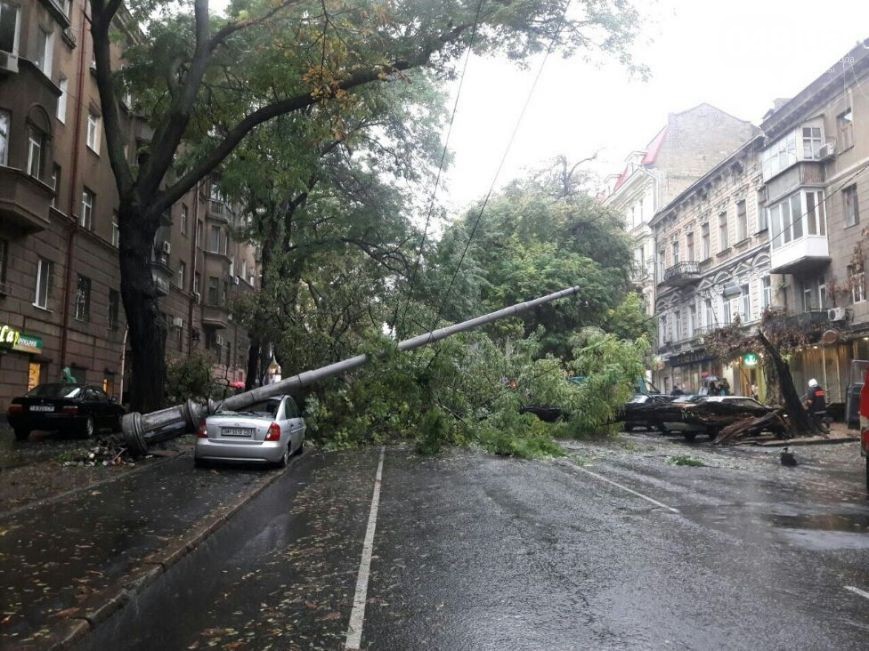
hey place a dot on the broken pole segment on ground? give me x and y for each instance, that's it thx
(142, 430)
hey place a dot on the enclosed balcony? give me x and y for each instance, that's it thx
(24, 201)
(218, 211)
(215, 316)
(682, 274)
(800, 256)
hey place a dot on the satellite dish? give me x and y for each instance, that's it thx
(830, 337)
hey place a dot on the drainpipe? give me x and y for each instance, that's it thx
(195, 259)
(73, 182)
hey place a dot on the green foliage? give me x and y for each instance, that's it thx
(611, 366)
(191, 377)
(685, 460)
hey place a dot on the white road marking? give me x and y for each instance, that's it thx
(858, 591)
(357, 615)
(625, 488)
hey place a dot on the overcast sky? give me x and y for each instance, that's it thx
(736, 54)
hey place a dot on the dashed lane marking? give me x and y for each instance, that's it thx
(625, 488)
(858, 591)
(357, 615)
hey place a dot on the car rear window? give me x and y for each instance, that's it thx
(54, 391)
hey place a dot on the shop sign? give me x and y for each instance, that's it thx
(750, 360)
(19, 341)
(9, 336)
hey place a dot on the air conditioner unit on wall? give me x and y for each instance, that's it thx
(166, 247)
(827, 150)
(177, 322)
(837, 314)
(218, 340)
(8, 61)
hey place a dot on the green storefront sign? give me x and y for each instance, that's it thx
(19, 341)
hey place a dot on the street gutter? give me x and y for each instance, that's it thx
(100, 607)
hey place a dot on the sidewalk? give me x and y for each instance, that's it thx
(839, 433)
(67, 564)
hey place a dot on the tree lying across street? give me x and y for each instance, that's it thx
(204, 82)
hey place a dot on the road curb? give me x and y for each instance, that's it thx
(100, 607)
(796, 442)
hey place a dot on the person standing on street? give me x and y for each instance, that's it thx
(816, 400)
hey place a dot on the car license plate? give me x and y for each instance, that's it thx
(237, 431)
(41, 407)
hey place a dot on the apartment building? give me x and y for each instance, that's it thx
(816, 190)
(682, 151)
(712, 269)
(59, 280)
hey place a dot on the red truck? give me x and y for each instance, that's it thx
(864, 424)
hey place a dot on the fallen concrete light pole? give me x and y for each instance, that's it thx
(142, 430)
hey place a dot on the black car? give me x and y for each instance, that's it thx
(71, 408)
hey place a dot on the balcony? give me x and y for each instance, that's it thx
(215, 316)
(682, 274)
(218, 211)
(798, 256)
(24, 201)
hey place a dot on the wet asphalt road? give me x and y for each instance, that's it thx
(477, 552)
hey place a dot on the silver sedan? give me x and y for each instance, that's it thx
(266, 432)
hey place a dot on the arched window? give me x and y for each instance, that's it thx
(38, 143)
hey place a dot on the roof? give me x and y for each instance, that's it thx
(650, 155)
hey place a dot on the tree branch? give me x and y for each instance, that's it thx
(228, 30)
(101, 20)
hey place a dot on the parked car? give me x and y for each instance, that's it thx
(689, 418)
(70, 408)
(636, 413)
(267, 432)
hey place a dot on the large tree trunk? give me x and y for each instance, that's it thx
(799, 418)
(147, 330)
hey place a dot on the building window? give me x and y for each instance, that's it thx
(741, 221)
(44, 51)
(199, 234)
(214, 242)
(817, 221)
(675, 251)
(710, 314)
(182, 274)
(677, 325)
(109, 384)
(8, 27)
(86, 218)
(662, 262)
(845, 126)
(811, 143)
(55, 184)
(83, 299)
(4, 136)
(116, 231)
(114, 309)
(43, 283)
(184, 218)
(213, 290)
(689, 241)
(61, 101)
(705, 249)
(852, 211)
(766, 293)
(93, 132)
(197, 282)
(665, 334)
(857, 281)
(762, 222)
(722, 231)
(745, 303)
(814, 295)
(692, 321)
(35, 151)
(4, 258)
(786, 221)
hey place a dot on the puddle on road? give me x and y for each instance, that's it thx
(852, 523)
(825, 531)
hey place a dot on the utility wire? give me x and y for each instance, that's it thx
(396, 321)
(518, 123)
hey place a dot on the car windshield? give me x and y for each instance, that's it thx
(54, 391)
